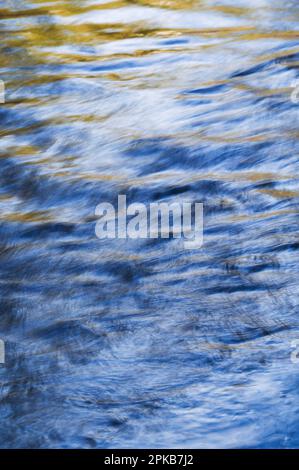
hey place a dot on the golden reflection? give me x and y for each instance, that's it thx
(59, 9)
(23, 150)
(172, 4)
(26, 217)
(262, 215)
(87, 33)
(280, 193)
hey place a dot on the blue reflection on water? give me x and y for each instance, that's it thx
(141, 343)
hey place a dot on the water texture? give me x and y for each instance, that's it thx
(115, 343)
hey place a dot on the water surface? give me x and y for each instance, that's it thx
(142, 343)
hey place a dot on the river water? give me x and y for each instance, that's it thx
(115, 343)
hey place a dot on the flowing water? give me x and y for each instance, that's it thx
(115, 343)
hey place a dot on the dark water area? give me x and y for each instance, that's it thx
(122, 343)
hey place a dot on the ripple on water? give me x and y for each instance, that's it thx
(143, 343)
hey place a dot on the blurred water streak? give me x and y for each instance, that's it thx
(142, 343)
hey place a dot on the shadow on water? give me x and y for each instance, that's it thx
(141, 343)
